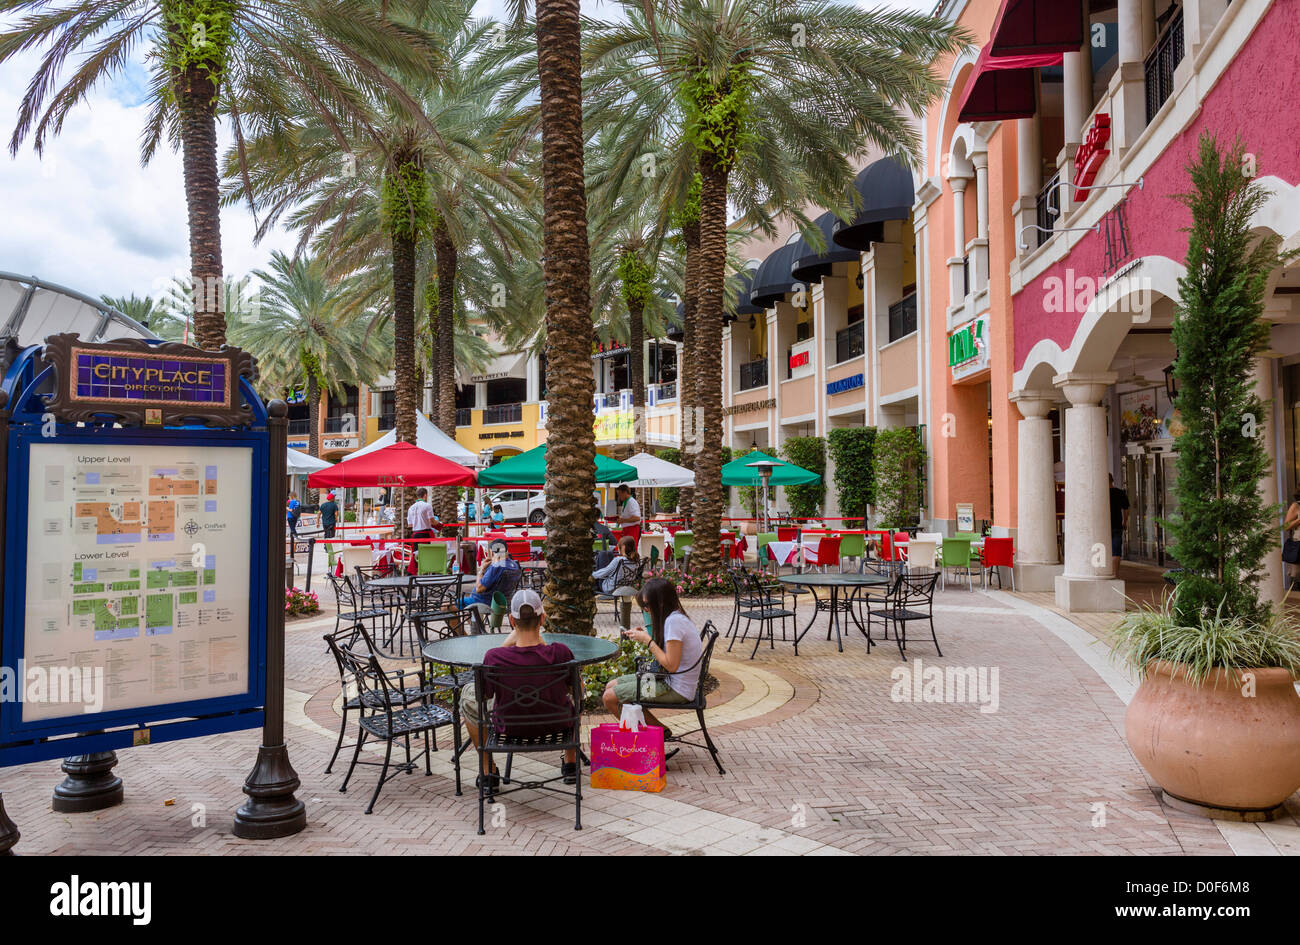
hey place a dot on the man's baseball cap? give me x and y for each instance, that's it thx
(329, 495)
(525, 598)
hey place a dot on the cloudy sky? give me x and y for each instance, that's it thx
(88, 216)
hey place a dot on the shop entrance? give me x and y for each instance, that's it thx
(1149, 481)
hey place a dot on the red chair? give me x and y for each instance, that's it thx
(828, 552)
(521, 549)
(999, 553)
(787, 534)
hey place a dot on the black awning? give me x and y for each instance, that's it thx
(739, 285)
(810, 265)
(772, 282)
(885, 187)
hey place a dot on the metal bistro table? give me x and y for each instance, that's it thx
(853, 582)
(470, 650)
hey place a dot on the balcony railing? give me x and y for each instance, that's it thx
(387, 421)
(342, 423)
(753, 374)
(464, 416)
(668, 391)
(1160, 66)
(503, 413)
(300, 427)
(965, 276)
(902, 317)
(1048, 208)
(849, 343)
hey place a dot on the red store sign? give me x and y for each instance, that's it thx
(1091, 155)
(798, 360)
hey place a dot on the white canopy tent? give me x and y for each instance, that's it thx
(302, 464)
(656, 473)
(428, 438)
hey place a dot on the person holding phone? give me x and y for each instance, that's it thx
(674, 642)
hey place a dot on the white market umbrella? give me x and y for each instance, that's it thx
(302, 464)
(428, 438)
(656, 473)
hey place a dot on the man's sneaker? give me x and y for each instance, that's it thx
(569, 769)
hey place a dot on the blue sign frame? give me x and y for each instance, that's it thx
(22, 742)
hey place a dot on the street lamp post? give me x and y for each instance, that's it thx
(764, 467)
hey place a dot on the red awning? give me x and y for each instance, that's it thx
(402, 464)
(1024, 27)
(1003, 87)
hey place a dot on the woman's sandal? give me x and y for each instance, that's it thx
(493, 781)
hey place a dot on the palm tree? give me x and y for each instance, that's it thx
(149, 312)
(208, 60)
(419, 193)
(303, 333)
(779, 117)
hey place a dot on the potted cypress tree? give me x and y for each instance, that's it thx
(1216, 719)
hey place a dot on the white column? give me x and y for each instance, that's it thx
(1087, 584)
(1272, 582)
(978, 248)
(534, 379)
(1078, 104)
(773, 388)
(1037, 565)
(956, 293)
(1029, 176)
(1137, 33)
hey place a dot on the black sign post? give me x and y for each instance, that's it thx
(272, 809)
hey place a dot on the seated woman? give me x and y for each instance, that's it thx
(607, 578)
(498, 572)
(674, 643)
(523, 647)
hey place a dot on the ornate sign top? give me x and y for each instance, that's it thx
(137, 382)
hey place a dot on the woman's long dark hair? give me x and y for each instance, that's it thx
(659, 598)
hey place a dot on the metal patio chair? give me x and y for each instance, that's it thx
(709, 638)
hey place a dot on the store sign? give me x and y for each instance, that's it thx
(1091, 155)
(338, 442)
(801, 358)
(968, 349)
(614, 425)
(846, 384)
(751, 407)
(299, 444)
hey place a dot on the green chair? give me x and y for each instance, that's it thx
(969, 536)
(853, 546)
(956, 553)
(654, 557)
(432, 558)
(763, 539)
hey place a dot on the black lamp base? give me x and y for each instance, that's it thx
(90, 784)
(272, 810)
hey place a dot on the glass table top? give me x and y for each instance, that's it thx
(470, 650)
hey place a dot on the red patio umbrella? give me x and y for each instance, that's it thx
(402, 464)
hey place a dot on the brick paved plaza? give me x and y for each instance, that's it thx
(819, 758)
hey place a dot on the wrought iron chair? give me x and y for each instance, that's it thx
(759, 602)
(627, 581)
(524, 719)
(356, 638)
(349, 608)
(910, 598)
(385, 716)
(708, 637)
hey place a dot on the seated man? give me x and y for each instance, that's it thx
(499, 572)
(619, 568)
(523, 647)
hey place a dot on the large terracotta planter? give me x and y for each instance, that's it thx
(1213, 746)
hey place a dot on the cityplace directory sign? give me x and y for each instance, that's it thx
(135, 545)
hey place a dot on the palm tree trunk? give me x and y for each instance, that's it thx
(196, 95)
(686, 367)
(708, 369)
(570, 464)
(444, 500)
(404, 382)
(636, 374)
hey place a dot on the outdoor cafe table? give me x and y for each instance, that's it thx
(470, 650)
(851, 583)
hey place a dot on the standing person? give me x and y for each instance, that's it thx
(420, 519)
(675, 644)
(1118, 524)
(629, 512)
(329, 512)
(1291, 524)
(293, 511)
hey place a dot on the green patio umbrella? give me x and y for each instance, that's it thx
(529, 469)
(739, 473)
